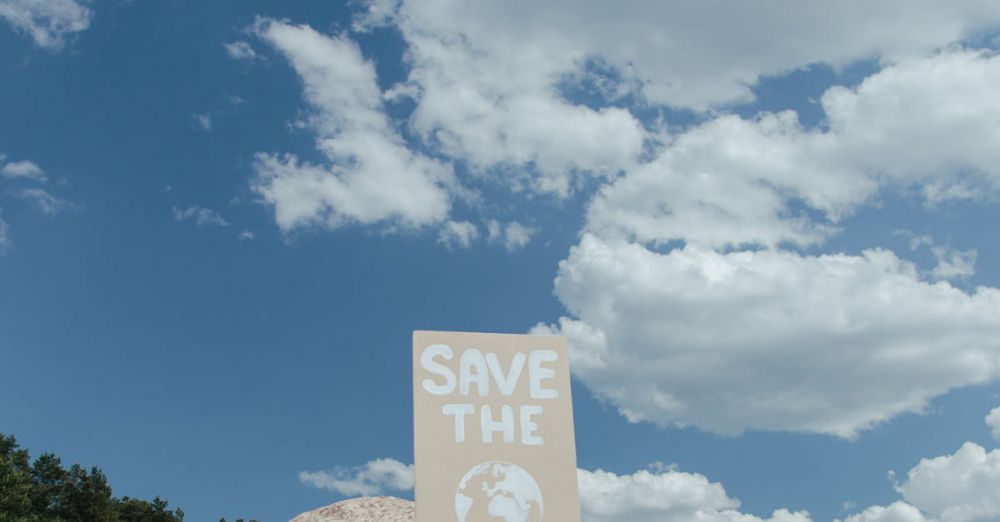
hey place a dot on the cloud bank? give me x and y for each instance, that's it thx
(49, 23)
(370, 176)
(962, 487)
(691, 305)
(698, 293)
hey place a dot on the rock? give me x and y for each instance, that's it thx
(364, 509)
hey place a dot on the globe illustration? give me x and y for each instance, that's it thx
(498, 491)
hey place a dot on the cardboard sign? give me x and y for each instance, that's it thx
(493, 429)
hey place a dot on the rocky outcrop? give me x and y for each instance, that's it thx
(364, 509)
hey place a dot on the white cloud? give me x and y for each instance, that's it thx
(47, 203)
(963, 487)
(896, 512)
(923, 120)
(993, 421)
(204, 121)
(376, 13)
(919, 241)
(954, 264)
(201, 216)
(924, 123)
(371, 176)
(244, 235)
(487, 84)
(459, 234)
(669, 496)
(23, 170)
(240, 50)
(503, 115)
(665, 48)
(373, 478)
(4, 236)
(951, 263)
(488, 78)
(646, 496)
(43, 200)
(726, 182)
(48, 22)
(512, 235)
(766, 340)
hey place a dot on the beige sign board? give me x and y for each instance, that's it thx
(493, 428)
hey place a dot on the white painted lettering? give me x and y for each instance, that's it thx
(506, 424)
(505, 383)
(529, 426)
(536, 374)
(459, 411)
(473, 360)
(427, 361)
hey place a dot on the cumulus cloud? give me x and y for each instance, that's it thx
(201, 216)
(673, 324)
(489, 79)
(896, 512)
(371, 176)
(669, 496)
(924, 123)
(240, 50)
(993, 421)
(767, 340)
(22, 170)
(664, 48)
(499, 111)
(512, 235)
(459, 234)
(645, 496)
(962, 487)
(373, 478)
(49, 23)
(490, 91)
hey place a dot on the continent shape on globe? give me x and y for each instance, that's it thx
(495, 491)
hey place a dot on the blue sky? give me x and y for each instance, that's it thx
(767, 235)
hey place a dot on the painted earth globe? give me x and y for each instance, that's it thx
(498, 491)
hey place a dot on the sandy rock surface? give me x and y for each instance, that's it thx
(364, 509)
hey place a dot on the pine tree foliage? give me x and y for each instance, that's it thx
(45, 491)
